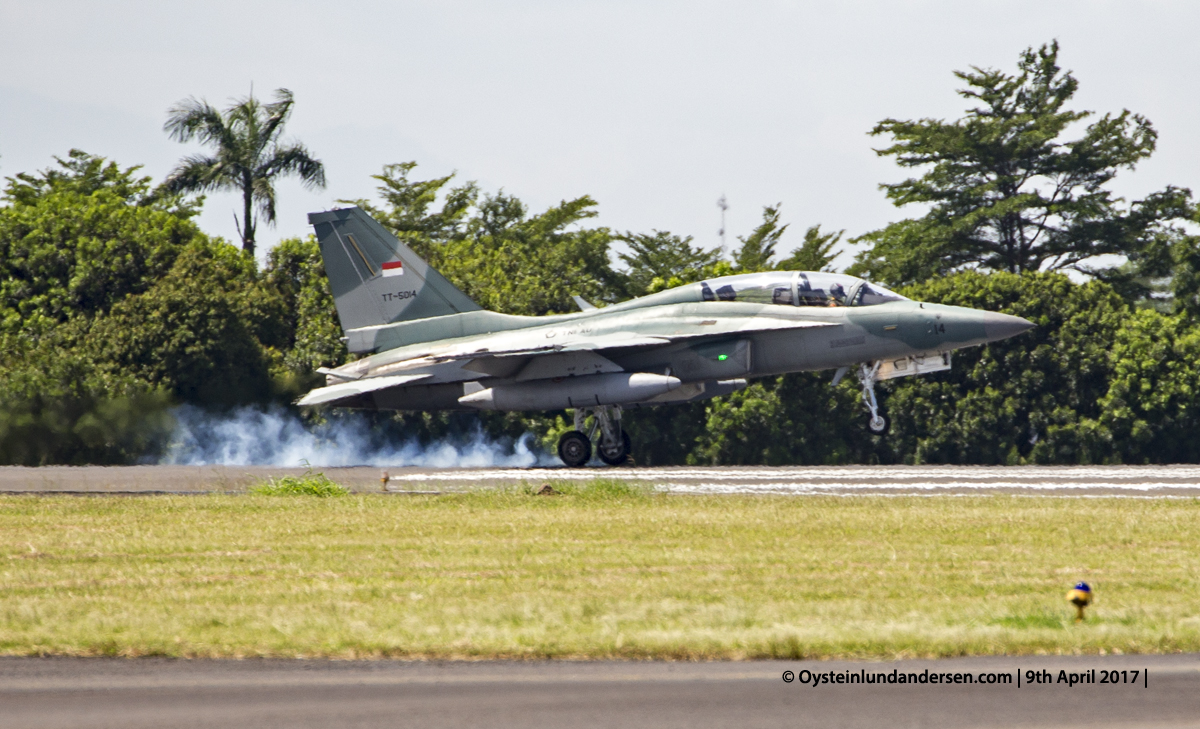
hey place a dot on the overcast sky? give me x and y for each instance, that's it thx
(655, 109)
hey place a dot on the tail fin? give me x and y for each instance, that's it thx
(375, 278)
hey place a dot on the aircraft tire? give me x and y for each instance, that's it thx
(574, 449)
(617, 459)
(879, 426)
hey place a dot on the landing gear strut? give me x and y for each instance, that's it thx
(877, 424)
(575, 447)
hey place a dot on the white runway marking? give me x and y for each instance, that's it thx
(1165, 480)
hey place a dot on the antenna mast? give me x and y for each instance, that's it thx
(724, 206)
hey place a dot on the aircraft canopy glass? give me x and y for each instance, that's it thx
(797, 288)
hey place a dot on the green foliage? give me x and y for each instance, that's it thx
(1006, 192)
(1151, 409)
(196, 333)
(758, 248)
(75, 240)
(83, 247)
(408, 212)
(664, 436)
(660, 260)
(794, 419)
(521, 264)
(493, 249)
(815, 253)
(114, 307)
(310, 484)
(1169, 268)
(250, 154)
(295, 273)
(1033, 398)
(55, 407)
(86, 174)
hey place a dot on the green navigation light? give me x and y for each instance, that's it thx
(722, 357)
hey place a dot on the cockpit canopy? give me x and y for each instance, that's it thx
(797, 288)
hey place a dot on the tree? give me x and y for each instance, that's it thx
(200, 333)
(84, 250)
(793, 419)
(660, 260)
(1036, 398)
(56, 407)
(409, 214)
(517, 263)
(296, 273)
(1006, 192)
(815, 253)
(758, 248)
(76, 239)
(1152, 407)
(492, 248)
(250, 154)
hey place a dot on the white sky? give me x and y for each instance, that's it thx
(653, 108)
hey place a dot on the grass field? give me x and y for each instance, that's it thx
(604, 571)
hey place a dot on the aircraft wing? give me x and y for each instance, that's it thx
(747, 325)
(532, 345)
(540, 359)
(334, 394)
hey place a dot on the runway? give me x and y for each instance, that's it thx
(1080, 481)
(53, 693)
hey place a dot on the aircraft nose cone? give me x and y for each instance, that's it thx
(1002, 326)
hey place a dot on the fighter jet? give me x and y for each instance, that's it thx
(427, 346)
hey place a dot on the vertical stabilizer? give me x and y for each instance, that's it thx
(375, 278)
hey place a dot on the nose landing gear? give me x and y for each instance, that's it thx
(575, 447)
(877, 423)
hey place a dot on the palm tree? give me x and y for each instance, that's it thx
(249, 155)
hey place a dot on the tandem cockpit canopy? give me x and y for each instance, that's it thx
(797, 288)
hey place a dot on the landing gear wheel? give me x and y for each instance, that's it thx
(574, 448)
(878, 425)
(616, 456)
(867, 374)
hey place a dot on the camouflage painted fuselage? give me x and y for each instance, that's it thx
(719, 341)
(427, 346)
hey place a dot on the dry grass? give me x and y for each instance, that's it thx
(606, 571)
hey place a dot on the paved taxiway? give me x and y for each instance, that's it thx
(1136, 481)
(48, 693)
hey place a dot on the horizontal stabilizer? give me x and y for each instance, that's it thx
(345, 390)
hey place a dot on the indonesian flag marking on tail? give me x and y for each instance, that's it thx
(393, 268)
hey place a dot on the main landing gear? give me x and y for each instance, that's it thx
(575, 447)
(877, 424)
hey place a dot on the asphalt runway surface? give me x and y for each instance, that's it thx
(1082, 481)
(53, 693)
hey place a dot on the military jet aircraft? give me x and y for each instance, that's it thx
(429, 347)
